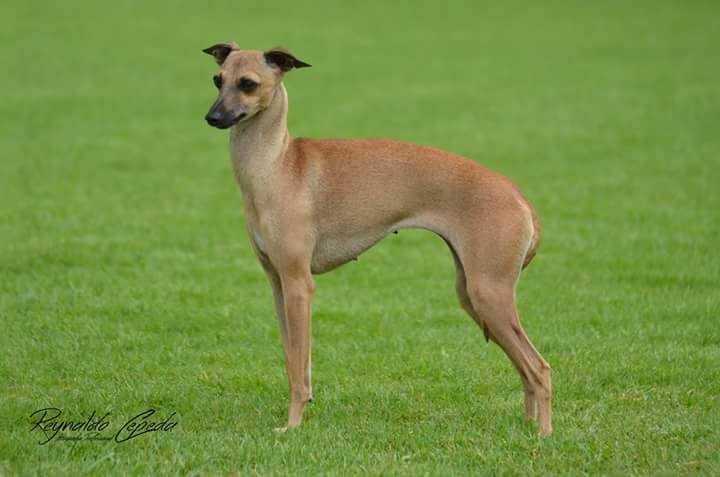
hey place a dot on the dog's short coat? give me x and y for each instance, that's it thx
(313, 205)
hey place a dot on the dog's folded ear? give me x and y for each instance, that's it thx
(283, 59)
(220, 51)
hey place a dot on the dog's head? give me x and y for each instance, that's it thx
(246, 81)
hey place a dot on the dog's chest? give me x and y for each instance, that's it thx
(256, 227)
(260, 233)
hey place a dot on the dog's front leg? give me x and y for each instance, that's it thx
(297, 291)
(276, 285)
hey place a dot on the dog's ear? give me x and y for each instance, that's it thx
(283, 59)
(220, 51)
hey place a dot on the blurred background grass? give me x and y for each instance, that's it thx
(126, 279)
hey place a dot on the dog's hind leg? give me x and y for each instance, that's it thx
(489, 253)
(461, 289)
(466, 304)
(494, 304)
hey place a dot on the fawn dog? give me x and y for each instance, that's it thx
(312, 205)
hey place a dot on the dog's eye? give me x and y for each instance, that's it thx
(218, 81)
(247, 85)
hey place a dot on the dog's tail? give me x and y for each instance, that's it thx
(535, 240)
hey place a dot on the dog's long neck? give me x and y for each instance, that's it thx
(258, 146)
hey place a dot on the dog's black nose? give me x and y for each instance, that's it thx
(213, 118)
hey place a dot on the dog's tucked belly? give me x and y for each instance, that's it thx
(333, 249)
(331, 252)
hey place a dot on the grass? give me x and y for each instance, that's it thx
(126, 279)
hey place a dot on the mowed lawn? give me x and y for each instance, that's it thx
(127, 281)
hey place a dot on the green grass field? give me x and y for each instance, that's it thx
(127, 281)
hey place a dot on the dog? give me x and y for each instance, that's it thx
(312, 205)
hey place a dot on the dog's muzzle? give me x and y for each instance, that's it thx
(220, 118)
